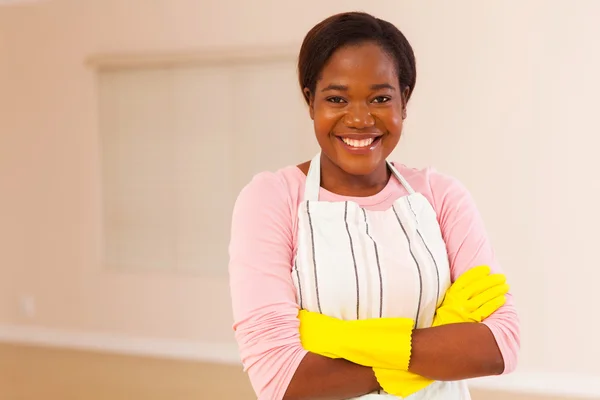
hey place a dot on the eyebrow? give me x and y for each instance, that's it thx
(344, 88)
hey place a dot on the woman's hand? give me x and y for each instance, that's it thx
(473, 297)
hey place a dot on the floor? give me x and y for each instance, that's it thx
(32, 373)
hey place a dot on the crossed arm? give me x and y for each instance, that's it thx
(449, 352)
(265, 310)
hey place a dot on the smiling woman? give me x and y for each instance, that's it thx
(354, 276)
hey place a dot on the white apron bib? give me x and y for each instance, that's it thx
(353, 263)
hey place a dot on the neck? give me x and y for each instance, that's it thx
(338, 181)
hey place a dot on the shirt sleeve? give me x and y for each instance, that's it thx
(263, 296)
(468, 246)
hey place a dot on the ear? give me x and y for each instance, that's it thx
(405, 94)
(311, 102)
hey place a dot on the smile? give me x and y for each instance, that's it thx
(360, 146)
(358, 142)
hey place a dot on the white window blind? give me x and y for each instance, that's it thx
(177, 146)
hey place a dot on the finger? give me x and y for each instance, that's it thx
(483, 284)
(488, 308)
(470, 276)
(488, 295)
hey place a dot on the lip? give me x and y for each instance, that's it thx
(360, 150)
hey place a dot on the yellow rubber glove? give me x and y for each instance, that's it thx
(377, 342)
(473, 297)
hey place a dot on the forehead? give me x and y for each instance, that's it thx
(365, 63)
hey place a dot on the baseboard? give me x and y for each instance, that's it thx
(216, 352)
(570, 386)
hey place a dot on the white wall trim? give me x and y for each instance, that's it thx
(19, 2)
(575, 386)
(218, 352)
(556, 384)
(221, 56)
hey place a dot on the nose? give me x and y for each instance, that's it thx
(359, 117)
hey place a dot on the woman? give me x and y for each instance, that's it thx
(370, 251)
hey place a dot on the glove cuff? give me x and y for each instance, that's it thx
(380, 343)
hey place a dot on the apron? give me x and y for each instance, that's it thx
(352, 263)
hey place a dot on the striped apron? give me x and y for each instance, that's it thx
(353, 263)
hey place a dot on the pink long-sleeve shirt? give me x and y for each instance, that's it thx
(262, 248)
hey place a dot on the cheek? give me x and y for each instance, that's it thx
(393, 121)
(325, 119)
(396, 124)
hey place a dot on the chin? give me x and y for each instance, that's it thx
(360, 166)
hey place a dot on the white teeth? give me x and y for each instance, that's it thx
(358, 143)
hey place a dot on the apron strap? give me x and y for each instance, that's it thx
(313, 179)
(403, 181)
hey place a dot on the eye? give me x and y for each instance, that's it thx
(381, 99)
(336, 100)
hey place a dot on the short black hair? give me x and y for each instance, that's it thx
(352, 28)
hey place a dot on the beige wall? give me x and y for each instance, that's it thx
(506, 100)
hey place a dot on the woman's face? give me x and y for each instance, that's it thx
(358, 108)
